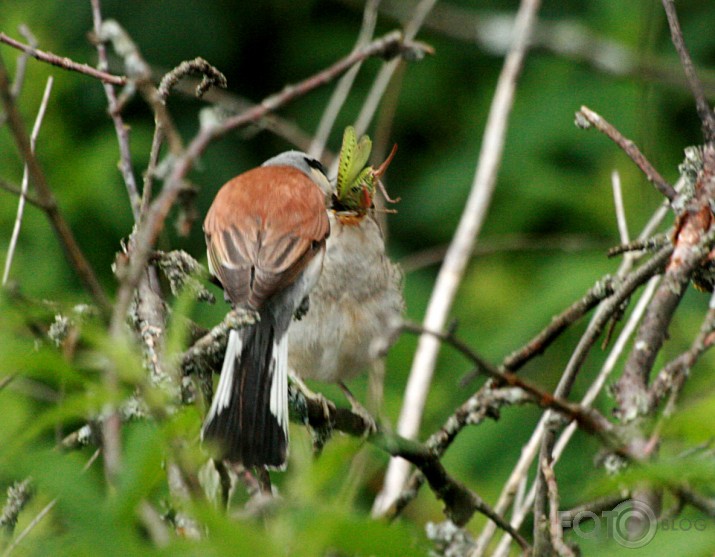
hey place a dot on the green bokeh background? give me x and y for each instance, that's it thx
(554, 186)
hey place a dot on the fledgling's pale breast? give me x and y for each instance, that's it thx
(354, 309)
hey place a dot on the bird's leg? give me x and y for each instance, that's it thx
(328, 406)
(359, 409)
(321, 432)
(264, 480)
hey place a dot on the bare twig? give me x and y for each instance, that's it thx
(555, 528)
(210, 77)
(485, 403)
(62, 229)
(63, 62)
(586, 118)
(601, 290)
(618, 206)
(704, 504)
(345, 84)
(21, 65)
(701, 102)
(15, 190)
(529, 451)
(589, 420)
(120, 128)
(675, 371)
(25, 182)
(458, 255)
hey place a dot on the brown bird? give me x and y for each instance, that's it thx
(265, 234)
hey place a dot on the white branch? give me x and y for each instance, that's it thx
(25, 182)
(460, 249)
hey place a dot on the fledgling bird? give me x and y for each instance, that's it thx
(354, 309)
(266, 234)
(357, 305)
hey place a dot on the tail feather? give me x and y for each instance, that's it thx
(248, 418)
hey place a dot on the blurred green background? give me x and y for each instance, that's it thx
(543, 244)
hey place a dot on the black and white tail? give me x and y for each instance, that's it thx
(248, 419)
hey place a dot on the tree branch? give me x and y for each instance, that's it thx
(63, 62)
(461, 247)
(701, 103)
(62, 229)
(585, 118)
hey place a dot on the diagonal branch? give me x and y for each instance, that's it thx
(46, 197)
(586, 118)
(62, 62)
(701, 102)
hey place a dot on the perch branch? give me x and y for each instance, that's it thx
(693, 241)
(460, 502)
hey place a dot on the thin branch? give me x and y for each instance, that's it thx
(536, 346)
(21, 65)
(29, 198)
(619, 209)
(210, 77)
(63, 62)
(557, 532)
(705, 505)
(588, 419)
(460, 502)
(345, 84)
(528, 453)
(26, 182)
(460, 249)
(703, 107)
(675, 371)
(585, 118)
(120, 128)
(62, 229)
(485, 403)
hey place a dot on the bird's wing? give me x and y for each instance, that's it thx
(263, 228)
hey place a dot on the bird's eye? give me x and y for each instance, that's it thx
(314, 163)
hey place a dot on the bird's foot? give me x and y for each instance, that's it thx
(360, 410)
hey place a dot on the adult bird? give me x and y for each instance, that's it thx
(266, 233)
